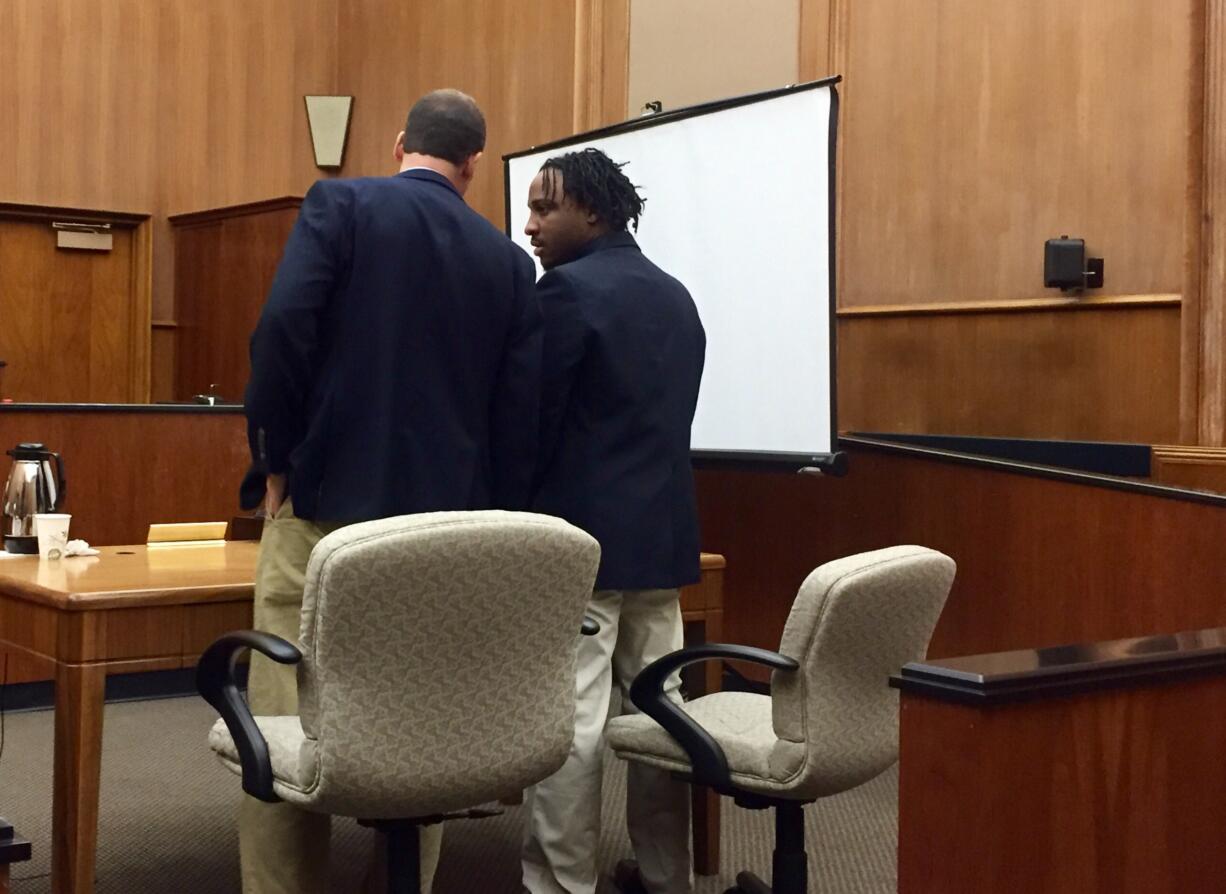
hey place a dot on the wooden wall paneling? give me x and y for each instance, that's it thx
(225, 262)
(127, 470)
(163, 361)
(1193, 256)
(1040, 562)
(1111, 791)
(1197, 468)
(198, 268)
(78, 102)
(1105, 371)
(1205, 327)
(602, 59)
(516, 59)
(161, 107)
(813, 54)
(140, 335)
(233, 123)
(979, 131)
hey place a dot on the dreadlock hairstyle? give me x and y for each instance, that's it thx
(597, 183)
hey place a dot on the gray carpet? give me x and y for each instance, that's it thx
(167, 819)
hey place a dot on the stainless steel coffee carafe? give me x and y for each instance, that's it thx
(32, 488)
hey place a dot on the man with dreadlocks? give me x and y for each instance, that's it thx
(623, 358)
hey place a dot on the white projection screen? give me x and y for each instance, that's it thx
(740, 208)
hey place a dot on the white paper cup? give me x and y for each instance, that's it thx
(52, 531)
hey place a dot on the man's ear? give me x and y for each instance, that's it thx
(398, 149)
(593, 219)
(470, 164)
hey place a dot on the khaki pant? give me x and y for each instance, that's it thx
(282, 849)
(559, 851)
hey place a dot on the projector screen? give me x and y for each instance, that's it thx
(740, 208)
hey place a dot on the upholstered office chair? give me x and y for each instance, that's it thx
(435, 672)
(831, 720)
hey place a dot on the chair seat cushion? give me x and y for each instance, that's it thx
(290, 752)
(740, 722)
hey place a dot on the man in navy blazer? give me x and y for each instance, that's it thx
(623, 358)
(395, 369)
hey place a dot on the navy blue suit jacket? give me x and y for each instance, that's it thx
(624, 353)
(396, 364)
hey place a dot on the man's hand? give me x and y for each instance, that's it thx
(274, 494)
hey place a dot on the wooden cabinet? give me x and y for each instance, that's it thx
(225, 260)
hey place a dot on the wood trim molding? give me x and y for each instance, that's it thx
(121, 219)
(1093, 479)
(211, 215)
(1058, 671)
(1194, 200)
(1210, 311)
(813, 53)
(1202, 468)
(1029, 305)
(141, 321)
(164, 324)
(1188, 452)
(602, 63)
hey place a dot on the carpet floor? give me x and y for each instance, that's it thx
(167, 819)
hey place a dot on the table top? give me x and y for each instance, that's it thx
(131, 576)
(128, 576)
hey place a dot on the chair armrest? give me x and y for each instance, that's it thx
(215, 682)
(589, 627)
(707, 758)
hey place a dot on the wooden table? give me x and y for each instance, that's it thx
(130, 609)
(702, 612)
(136, 608)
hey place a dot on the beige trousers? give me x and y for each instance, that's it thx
(559, 850)
(282, 849)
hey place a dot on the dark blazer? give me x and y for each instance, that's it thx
(396, 364)
(623, 358)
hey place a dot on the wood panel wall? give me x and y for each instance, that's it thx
(179, 106)
(1104, 370)
(516, 59)
(971, 134)
(1040, 562)
(225, 263)
(1197, 468)
(129, 469)
(160, 107)
(1107, 791)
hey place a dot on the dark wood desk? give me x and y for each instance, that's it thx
(13, 849)
(136, 608)
(1091, 767)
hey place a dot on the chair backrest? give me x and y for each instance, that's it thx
(438, 663)
(855, 621)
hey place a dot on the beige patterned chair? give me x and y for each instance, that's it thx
(831, 720)
(435, 672)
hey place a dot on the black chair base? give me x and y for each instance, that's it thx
(404, 846)
(748, 883)
(790, 864)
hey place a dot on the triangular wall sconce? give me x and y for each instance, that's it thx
(328, 117)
